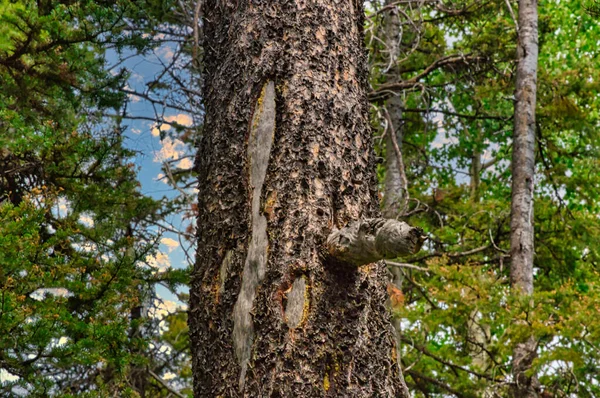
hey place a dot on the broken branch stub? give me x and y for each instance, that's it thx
(370, 240)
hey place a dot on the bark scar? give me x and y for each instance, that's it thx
(297, 303)
(260, 141)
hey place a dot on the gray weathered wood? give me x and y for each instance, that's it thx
(367, 241)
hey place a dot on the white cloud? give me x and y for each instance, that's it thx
(137, 77)
(172, 244)
(182, 118)
(156, 129)
(86, 220)
(161, 177)
(132, 97)
(185, 163)
(64, 207)
(136, 131)
(60, 342)
(40, 294)
(171, 149)
(87, 247)
(6, 376)
(166, 53)
(163, 308)
(159, 261)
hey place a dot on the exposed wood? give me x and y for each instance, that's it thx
(405, 265)
(395, 200)
(367, 241)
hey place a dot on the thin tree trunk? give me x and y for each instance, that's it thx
(394, 187)
(286, 158)
(138, 374)
(393, 199)
(523, 167)
(475, 174)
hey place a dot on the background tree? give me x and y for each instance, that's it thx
(457, 77)
(523, 170)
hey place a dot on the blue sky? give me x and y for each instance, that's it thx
(144, 137)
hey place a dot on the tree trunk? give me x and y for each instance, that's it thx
(286, 158)
(475, 174)
(394, 185)
(523, 167)
(393, 199)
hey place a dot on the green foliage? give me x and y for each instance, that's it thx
(459, 116)
(75, 231)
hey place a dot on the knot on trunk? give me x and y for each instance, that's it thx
(370, 240)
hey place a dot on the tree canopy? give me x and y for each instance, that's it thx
(76, 231)
(455, 74)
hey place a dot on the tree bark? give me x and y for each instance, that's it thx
(286, 158)
(523, 167)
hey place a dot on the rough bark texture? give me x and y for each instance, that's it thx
(285, 159)
(523, 164)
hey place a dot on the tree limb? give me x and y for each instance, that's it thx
(430, 380)
(370, 240)
(413, 81)
(165, 384)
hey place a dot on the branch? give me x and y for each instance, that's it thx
(489, 163)
(426, 352)
(406, 265)
(156, 101)
(165, 384)
(367, 241)
(460, 115)
(430, 380)
(197, 9)
(413, 81)
(512, 15)
(451, 255)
